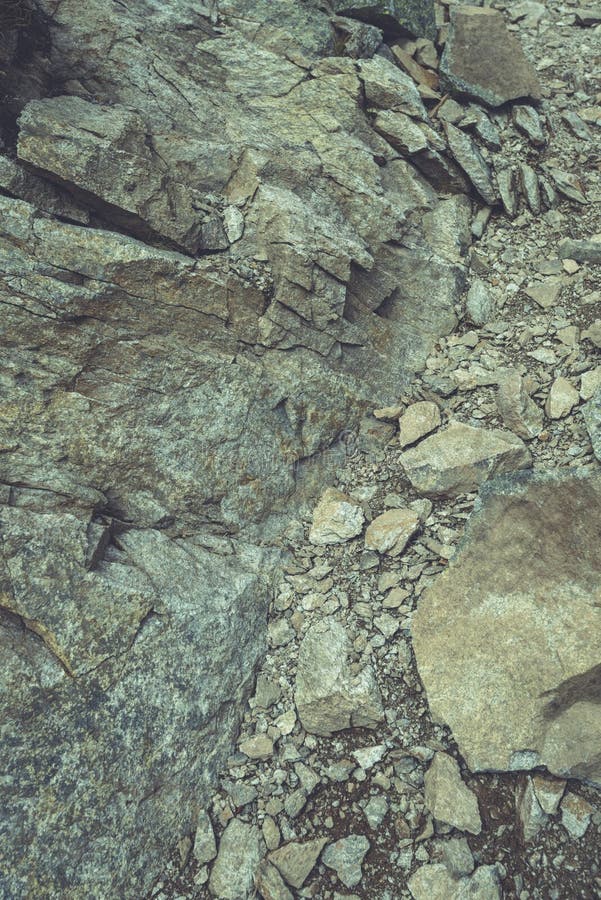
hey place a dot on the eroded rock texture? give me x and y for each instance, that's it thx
(210, 264)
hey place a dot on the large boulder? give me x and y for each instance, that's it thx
(508, 640)
(394, 17)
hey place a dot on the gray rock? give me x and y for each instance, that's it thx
(483, 61)
(361, 41)
(376, 810)
(480, 303)
(401, 132)
(519, 411)
(576, 125)
(507, 185)
(233, 873)
(486, 635)
(460, 458)
(346, 857)
(328, 696)
(483, 128)
(296, 860)
(417, 421)
(205, 848)
(588, 15)
(581, 251)
(448, 798)
(269, 883)
(472, 162)
(562, 398)
(527, 120)
(549, 792)
(415, 17)
(576, 814)
(530, 187)
(455, 853)
(567, 184)
(530, 814)
(591, 412)
(433, 882)
(336, 519)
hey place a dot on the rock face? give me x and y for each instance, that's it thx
(414, 17)
(482, 60)
(460, 457)
(508, 639)
(187, 328)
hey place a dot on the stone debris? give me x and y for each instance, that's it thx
(346, 857)
(394, 16)
(546, 293)
(328, 696)
(258, 747)
(528, 554)
(549, 792)
(391, 531)
(461, 457)
(337, 518)
(295, 860)
(448, 798)
(482, 60)
(205, 848)
(469, 158)
(527, 120)
(592, 418)
(233, 873)
(480, 303)
(581, 251)
(270, 884)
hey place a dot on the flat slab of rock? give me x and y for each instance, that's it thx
(447, 796)
(296, 860)
(417, 421)
(328, 696)
(519, 411)
(337, 518)
(508, 640)
(484, 61)
(459, 458)
(434, 882)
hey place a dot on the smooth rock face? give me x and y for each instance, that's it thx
(296, 860)
(328, 696)
(448, 798)
(459, 458)
(562, 398)
(337, 518)
(484, 61)
(508, 640)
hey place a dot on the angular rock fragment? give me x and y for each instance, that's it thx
(434, 882)
(346, 857)
(519, 411)
(328, 696)
(414, 17)
(391, 532)
(470, 159)
(549, 792)
(459, 458)
(562, 398)
(233, 873)
(417, 421)
(530, 187)
(388, 88)
(401, 132)
(588, 15)
(507, 185)
(361, 40)
(591, 412)
(205, 848)
(448, 798)
(337, 518)
(527, 120)
(530, 813)
(270, 884)
(546, 293)
(296, 860)
(508, 640)
(593, 333)
(482, 60)
(480, 304)
(576, 814)
(567, 184)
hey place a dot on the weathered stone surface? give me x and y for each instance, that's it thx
(482, 60)
(582, 251)
(530, 187)
(448, 798)
(417, 421)
(295, 860)
(345, 857)
(337, 518)
(546, 293)
(433, 882)
(391, 531)
(591, 412)
(415, 17)
(562, 398)
(460, 457)
(205, 848)
(519, 411)
(233, 873)
(328, 696)
(576, 813)
(480, 303)
(469, 158)
(549, 792)
(508, 640)
(269, 883)
(527, 120)
(531, 815)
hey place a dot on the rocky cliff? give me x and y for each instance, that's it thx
(212, 262)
